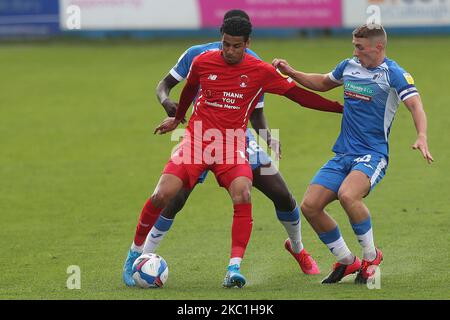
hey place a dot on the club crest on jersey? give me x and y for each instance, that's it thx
(209, 93)
(243, 81)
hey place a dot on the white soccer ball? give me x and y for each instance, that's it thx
(150, 271)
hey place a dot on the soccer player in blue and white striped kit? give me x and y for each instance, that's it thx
(373, 88)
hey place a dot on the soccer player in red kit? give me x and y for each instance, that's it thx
(231, 82)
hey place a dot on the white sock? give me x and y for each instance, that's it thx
(235, 260)
(334, 241)
(134, 247)
(368, 245)
(364, 234)
(292, 223)
(341, 251)
(153, 240)
(156, 234)
(293, 231)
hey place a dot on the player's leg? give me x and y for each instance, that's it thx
(322, 191)
(316, 198)
(175, 175)
(367, 172)
(354, 188)
(275, 188)
(268, 180)
(241, 229)
(239, 191)
(168, 186)
(165, 219)
(237, 179)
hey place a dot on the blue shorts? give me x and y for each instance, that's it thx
(333, 173)
(257, 157)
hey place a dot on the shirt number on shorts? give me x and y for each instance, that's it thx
(366, 158)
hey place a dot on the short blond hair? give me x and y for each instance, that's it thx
(372, 32)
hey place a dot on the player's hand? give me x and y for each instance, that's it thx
(171, 108)
(169, 124)
(275, 146)
(283, 66)
(422, 145)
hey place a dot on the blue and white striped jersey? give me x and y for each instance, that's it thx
(181, 69)
(371, 99)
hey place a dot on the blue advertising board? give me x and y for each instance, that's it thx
(29, 18)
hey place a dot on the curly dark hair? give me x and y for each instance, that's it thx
(236, 13)
(236, 27)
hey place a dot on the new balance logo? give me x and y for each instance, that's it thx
(212, 77)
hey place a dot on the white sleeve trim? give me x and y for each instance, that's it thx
(175, 74)
(330, 75)
(409, 95)
(260, 105)
(407, 92)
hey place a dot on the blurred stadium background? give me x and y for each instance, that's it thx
(78, 158)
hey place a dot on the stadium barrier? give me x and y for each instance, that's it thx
(200, 18)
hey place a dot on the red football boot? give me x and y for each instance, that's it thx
(304, 259)
(366, 272)
(342, 270)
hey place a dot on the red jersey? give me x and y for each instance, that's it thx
(229, 93)
(227, 97)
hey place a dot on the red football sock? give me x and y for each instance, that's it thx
(148, 217)
(241, 229)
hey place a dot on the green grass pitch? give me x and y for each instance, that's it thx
(79, 159)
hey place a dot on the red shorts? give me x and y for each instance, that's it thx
(225, 173)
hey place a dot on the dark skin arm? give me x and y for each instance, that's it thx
(188, 94)
(259, 122)
(162, 93)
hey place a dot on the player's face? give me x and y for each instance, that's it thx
(233, 48)
(366, 52)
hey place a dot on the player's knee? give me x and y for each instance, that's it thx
(160, 199)
(242, 195)
(175, 205)
(284, 201)
(346, 198)
(309, 208)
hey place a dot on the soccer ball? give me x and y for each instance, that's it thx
(150, 271)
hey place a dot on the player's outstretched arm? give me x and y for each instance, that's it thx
(162, 93)
(415, 106)
(187, 95)
(312, 100)
(313, 81)
(259, 123)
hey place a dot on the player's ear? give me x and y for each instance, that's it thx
(247, 43)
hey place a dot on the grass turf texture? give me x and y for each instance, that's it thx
(78, 160)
